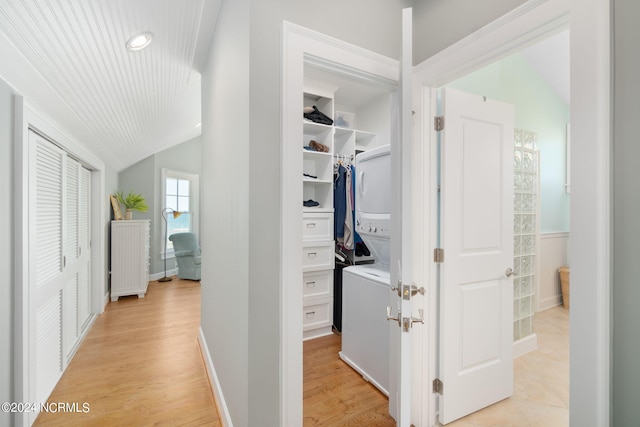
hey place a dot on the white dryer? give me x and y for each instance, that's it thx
(366, 288)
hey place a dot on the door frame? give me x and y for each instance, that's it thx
(298, 42)
(590, 175)
(29, 117)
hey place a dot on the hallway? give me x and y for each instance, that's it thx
(140, 364)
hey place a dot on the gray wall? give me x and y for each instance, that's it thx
(145, 177)
(626, 208)
(225, 210)
(440, 23)
(139, 178)
(6, 255)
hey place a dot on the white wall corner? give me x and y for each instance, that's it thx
(105, 301)
(221, 404)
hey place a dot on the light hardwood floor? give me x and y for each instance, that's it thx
(336, 395)
(140, 365)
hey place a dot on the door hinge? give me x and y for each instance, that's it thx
(438, 255)
(438, 123)
(437, 386)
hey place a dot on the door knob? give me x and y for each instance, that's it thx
(510, 272)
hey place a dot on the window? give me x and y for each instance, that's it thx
(180, 190)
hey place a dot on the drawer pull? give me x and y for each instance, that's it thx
(311, 225)
(312, 254)
(310, 313)
(311, 284)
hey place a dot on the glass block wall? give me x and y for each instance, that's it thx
(525, 222)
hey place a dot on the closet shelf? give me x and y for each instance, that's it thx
(310, 153)
(313, 128)
(317, 210)
(317, 181)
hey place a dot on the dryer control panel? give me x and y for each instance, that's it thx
(375, 227)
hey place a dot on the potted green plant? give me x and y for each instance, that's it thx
(132, 202)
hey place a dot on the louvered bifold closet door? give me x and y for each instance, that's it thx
(72, 271)
(84, 250)
(46, 194)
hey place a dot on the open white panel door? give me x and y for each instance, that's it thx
(476, 290)
(399, 310)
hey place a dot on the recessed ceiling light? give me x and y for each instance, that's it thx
(139, 41)
(199, 125)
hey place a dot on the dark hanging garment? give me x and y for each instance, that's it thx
(339, 202)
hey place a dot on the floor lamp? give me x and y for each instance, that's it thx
(176, 214)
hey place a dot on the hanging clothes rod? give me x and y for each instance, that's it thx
(344, 157)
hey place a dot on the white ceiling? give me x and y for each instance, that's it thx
(69, 58)
(123, 105)
(550, 58)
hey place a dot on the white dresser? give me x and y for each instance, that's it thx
(129, 258)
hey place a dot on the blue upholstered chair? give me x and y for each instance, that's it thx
(187, 252)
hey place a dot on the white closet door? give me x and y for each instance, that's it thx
(84, 249)
(71, 211)
(70, 239)
(46, 192)
(59, 292)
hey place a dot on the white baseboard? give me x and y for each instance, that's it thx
(156, 276)
(549, 302)
(105, 301)
(221, 404)
(525, 345)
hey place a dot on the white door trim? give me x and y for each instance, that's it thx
(26, 117)
(590, 196)
(297, 42)
(522, 27)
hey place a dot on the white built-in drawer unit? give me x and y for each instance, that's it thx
(317, 226)
(317, 317)
(317, 284)
(317, 256)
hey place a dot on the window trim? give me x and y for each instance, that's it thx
(194, 204)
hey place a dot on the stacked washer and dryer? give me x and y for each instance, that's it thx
(365, 288)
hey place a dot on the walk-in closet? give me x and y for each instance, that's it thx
(359, 109)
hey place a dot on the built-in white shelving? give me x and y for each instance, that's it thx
(318, 222)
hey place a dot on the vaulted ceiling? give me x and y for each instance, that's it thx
(123, 105)
(69, 58)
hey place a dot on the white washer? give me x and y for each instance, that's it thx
(366, 288)
(365, 329)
